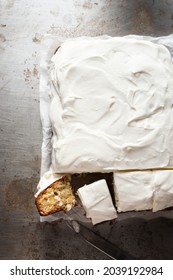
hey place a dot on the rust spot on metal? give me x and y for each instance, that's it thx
(27, 74)
(161, 12)
(30, 73)
(37, 162)
(143, 19)
(35, 71)
(19, 195)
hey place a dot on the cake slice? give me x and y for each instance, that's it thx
(163, 194)
(133, 190)
(56, 197)
(97, 202)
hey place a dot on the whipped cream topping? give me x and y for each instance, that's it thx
(111, 105)
(143, 190)
(97, 202)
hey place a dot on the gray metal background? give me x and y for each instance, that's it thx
(22, 26)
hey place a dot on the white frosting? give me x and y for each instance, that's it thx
(97, 202)
(163, 195)
(46, 180)
(111, 105)
(133, 190)
(143, 190)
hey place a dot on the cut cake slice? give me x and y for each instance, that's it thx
(56, 197)
(97, 202)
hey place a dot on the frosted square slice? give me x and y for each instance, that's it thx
(133, 190)
(97, 202)
(163, 194)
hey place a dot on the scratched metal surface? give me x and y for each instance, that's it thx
(22, 25)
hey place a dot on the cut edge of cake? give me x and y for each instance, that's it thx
(56, 197)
